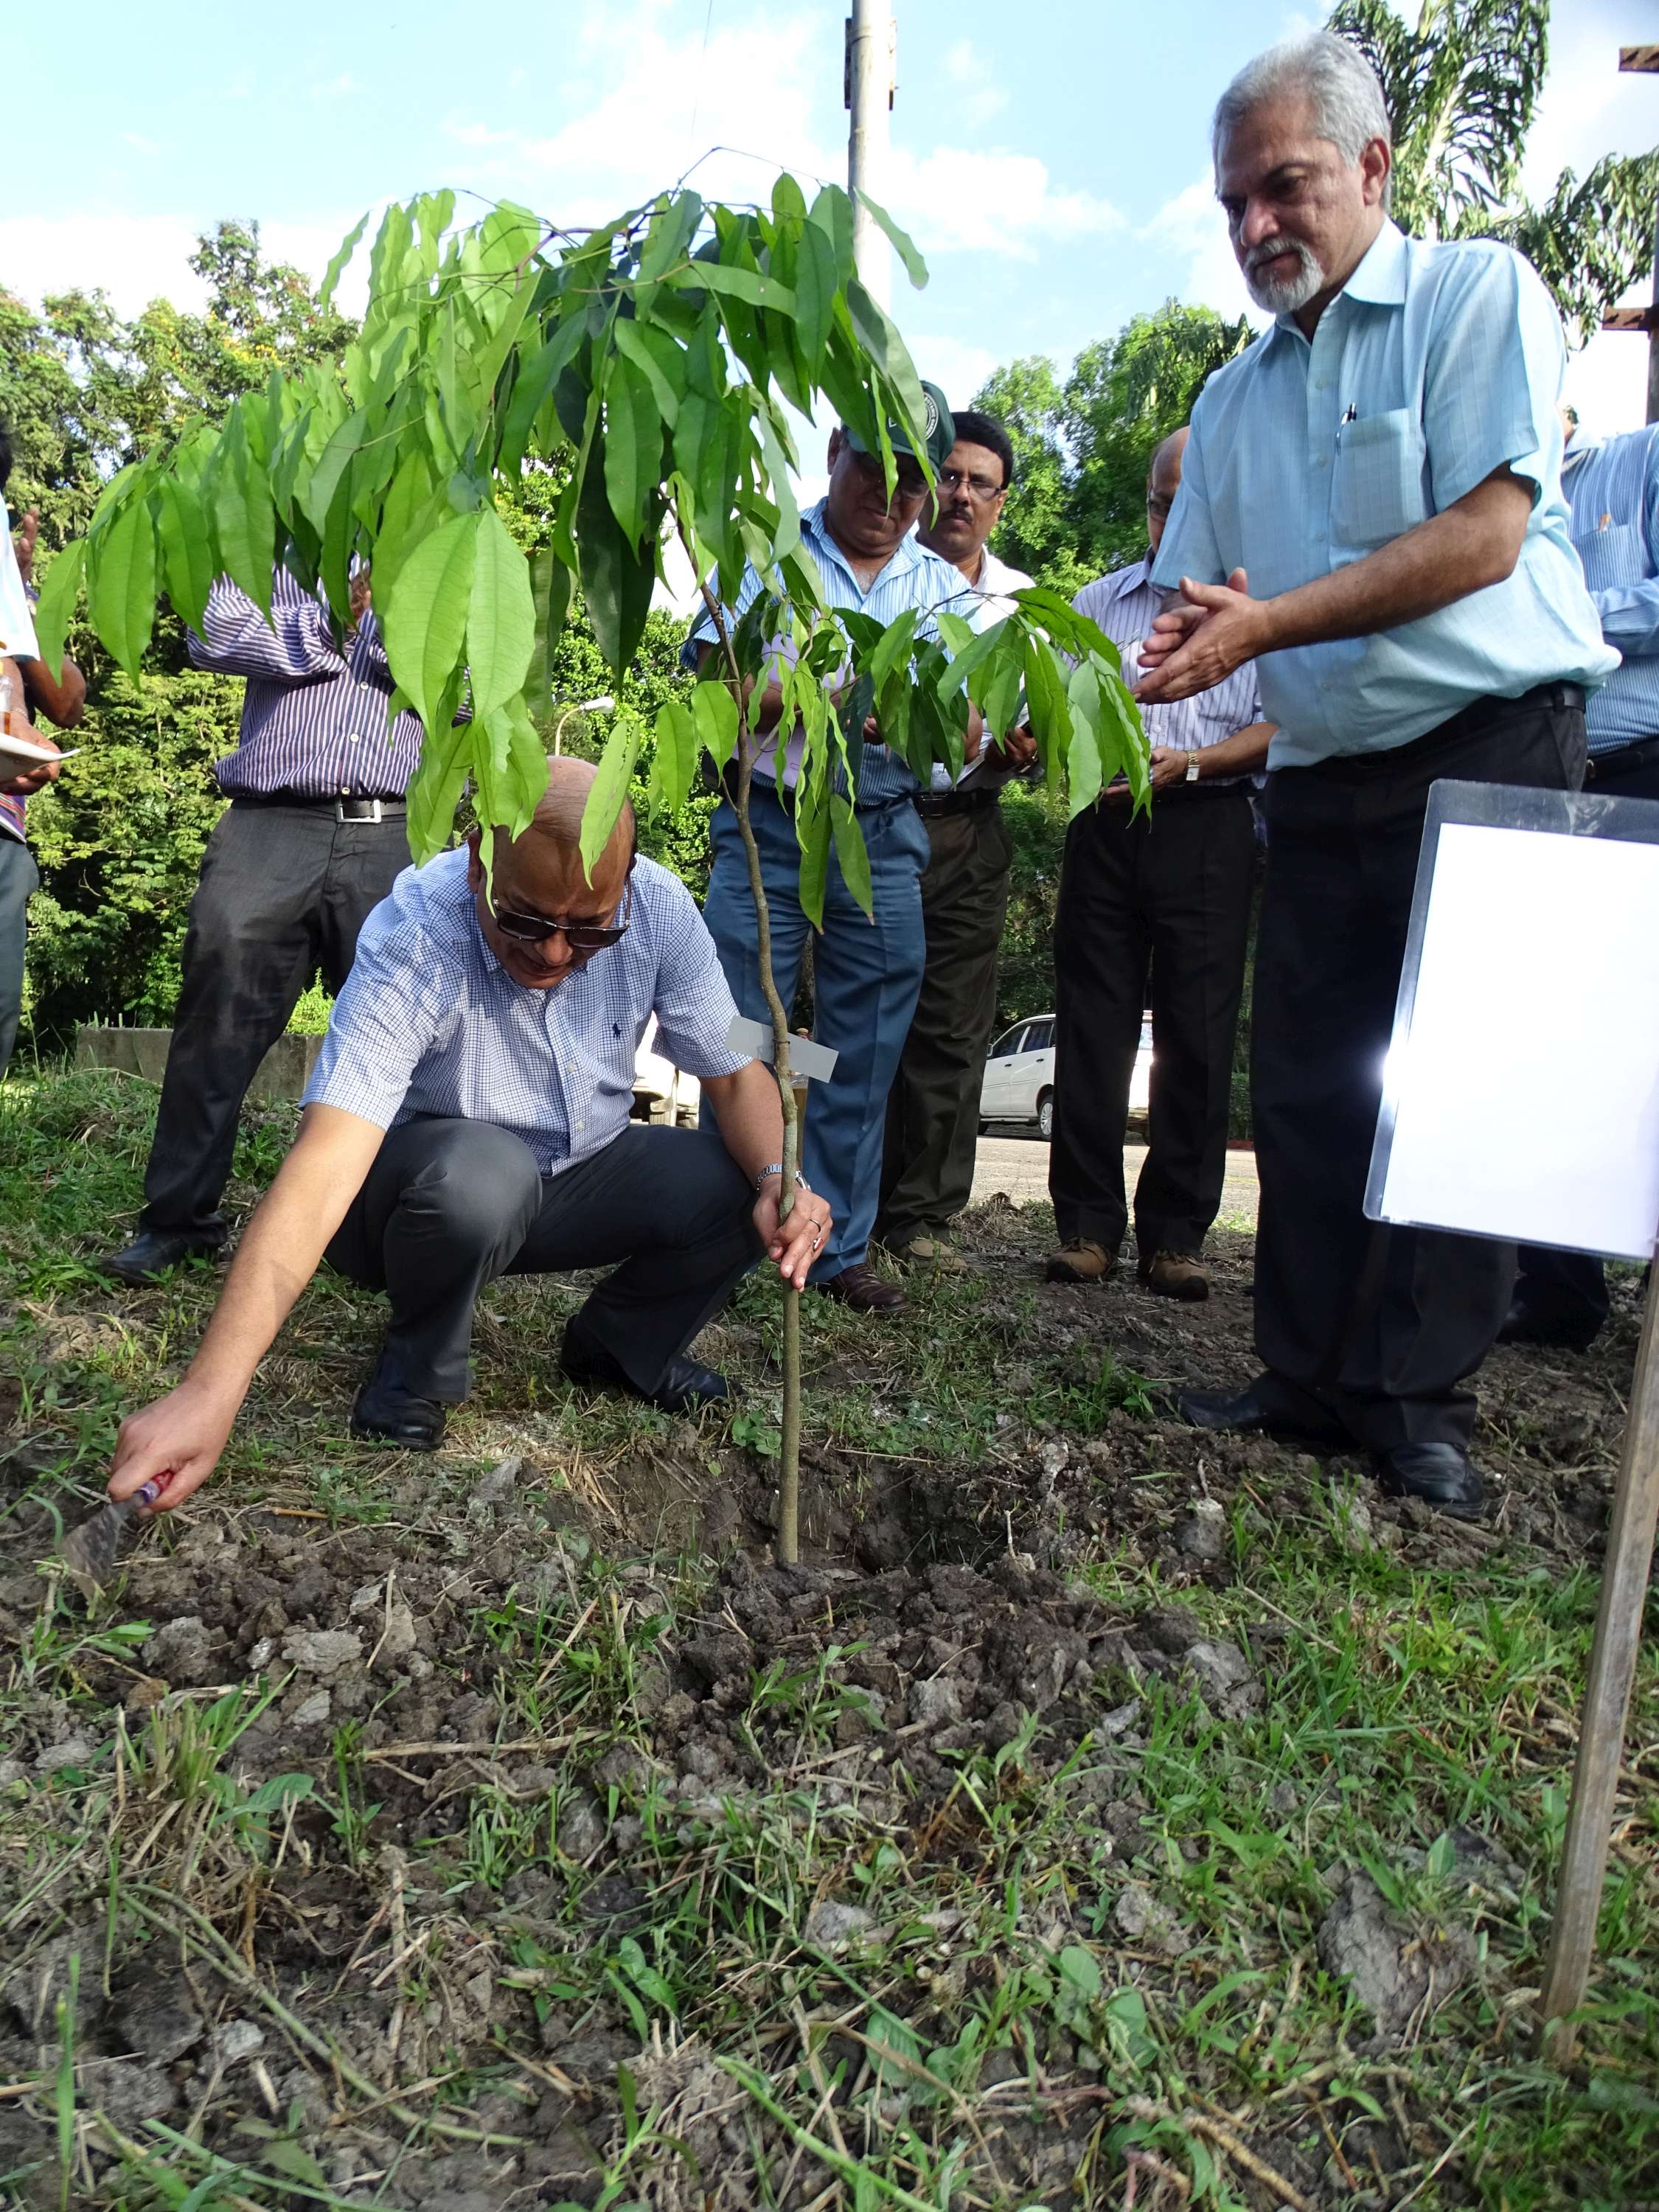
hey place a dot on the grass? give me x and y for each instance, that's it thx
(1090, 1973)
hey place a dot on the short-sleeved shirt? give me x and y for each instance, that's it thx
(430, 1023)
(17, 642)
(1434, 368)
(1125, 604)
(914, 577)
(1612, 488)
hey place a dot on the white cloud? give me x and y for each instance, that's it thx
(1191, 230)
(975, 96)
(136, 258)
(139, 145)
(985, 200)
(957, 365)
(336, 88)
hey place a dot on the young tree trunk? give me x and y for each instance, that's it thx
(789, 1454)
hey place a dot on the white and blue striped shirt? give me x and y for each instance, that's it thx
(1612, 488)
(914, 577)
(1434, 368)
(1125, 605)
(430, 1023)
(313, 716)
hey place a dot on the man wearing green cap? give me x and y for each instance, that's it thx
(865, 975)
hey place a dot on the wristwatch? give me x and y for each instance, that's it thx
(776, 1169)
(1192, 768)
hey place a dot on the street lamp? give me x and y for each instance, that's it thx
(603, 705)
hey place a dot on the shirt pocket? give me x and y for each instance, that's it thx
(1614, 555)
(1377, 494)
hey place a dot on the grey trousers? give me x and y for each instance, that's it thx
(19, 878)
(450, 1205)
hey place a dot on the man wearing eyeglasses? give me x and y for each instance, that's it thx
(932, 1108)
(866, 968)
(469, 1117)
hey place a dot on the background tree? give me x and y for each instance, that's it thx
(1462, 87)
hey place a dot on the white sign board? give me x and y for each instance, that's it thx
(1520, 1096)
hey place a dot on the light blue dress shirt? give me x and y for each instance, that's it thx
(1433, 367)
(429, 1022)
(914, 577)
(1612, 488)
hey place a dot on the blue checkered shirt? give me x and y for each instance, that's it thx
(430, 1023)
(1613, 487)
(1434, 367)
(914, 577)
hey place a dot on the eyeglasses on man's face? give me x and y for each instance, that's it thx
(579, 936)
(979, 488)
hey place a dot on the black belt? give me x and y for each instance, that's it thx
(928, 804)
(346, 809)
(1468, 722)
(1641, 753)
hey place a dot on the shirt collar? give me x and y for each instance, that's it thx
(1379, 279)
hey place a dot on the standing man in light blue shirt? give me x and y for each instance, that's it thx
(1371, 510)
(1613, 490)
(867, 969)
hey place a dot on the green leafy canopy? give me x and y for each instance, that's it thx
(648, 367)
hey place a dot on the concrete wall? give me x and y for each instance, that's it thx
(282, 1073)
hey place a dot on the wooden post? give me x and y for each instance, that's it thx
(1607, 1699)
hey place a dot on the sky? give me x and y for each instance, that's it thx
(1052, 161)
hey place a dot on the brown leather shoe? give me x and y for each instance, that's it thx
(863, 1288)
(1174, 1275)
(1082, 1261)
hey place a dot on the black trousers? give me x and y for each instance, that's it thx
(932, 1108)
(1568, 1291)
(1167, 892)
(1379, 1326)
(449, 1205)
(283, 891)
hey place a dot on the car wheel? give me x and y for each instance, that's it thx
(1046, 1115)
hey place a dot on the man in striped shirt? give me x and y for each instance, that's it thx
(469, 1118)
(1168, 892)
(866, 972)
(311, 843)
(1612, 486)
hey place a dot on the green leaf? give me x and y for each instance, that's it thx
(816, 279)
(536, 380)
(435, 788)
(336, 268)
(1442, 1856)
(121, 584)
(58, 595)
(1083, 758)
(425, 625)
(672, 229)
(882, 342)
(616, 577)
(243, 518)
(675, 762)
(609, 788)
(500, 619)
(851, 851)
(659, 360)
(714, 712)
(633, 443)
(903, 245)
(812, 829)
(1077, 1967)
(187, 549)
(748, 285)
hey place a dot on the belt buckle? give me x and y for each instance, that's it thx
(375, 814)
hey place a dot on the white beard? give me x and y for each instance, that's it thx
(1285, 297)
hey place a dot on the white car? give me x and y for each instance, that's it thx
(1020, 1076)
(664, 1092)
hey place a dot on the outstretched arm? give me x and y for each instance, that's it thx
(291, 1230)
(751, 1126)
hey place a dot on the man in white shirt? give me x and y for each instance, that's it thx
(932, 1108)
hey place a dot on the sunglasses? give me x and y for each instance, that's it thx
(579, 936)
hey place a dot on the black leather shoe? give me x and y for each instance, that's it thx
(685, 1387)
(1443, 1475)
(1252, 1409)
(154, 1251)
(1521, 1326)
(385, 1413)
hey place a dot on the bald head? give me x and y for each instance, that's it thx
(540, 873)
(1163, 482)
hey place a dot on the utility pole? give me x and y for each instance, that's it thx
(872, 36)
(1646, 61)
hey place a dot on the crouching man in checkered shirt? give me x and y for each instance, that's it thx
(469, 1118)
